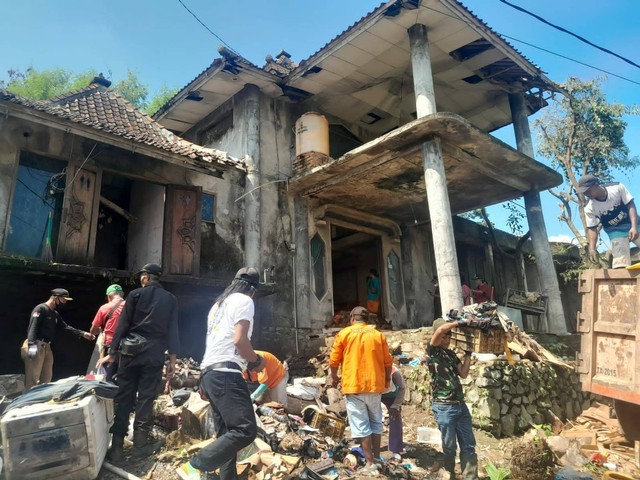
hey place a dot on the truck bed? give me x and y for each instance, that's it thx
(609, 361)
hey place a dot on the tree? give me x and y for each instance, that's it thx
(162, 97)
(48, 83)
(584, 133)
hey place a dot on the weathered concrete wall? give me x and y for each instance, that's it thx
(418, 270)
(507, 400)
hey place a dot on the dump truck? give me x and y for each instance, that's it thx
(609, 324)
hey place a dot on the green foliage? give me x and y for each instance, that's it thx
(48, 83)
(496, 473)
(132, 89)
(515, 217)
(584, 133)
(545, 427)
(163, 96)
(45, 84)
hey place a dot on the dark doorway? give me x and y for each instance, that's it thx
(353, 255)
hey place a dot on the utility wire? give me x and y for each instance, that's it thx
(207, 28)
(558, 27)
(571, 59)
(537, 47)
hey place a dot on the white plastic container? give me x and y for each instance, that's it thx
(56, 441)
(428, 435)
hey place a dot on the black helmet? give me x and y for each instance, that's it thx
(152, 268)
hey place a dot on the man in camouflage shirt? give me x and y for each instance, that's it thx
(447, 400)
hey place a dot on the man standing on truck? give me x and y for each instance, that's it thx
(612, 206)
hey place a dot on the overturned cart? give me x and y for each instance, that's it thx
(58, 431)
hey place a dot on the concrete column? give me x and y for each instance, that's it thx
(544, 261)
(252, 159)
(444, 244)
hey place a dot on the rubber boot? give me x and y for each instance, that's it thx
(143, 445)
(450, 465)
(469, 466)
(115, 453)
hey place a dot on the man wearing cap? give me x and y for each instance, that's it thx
(611, 206)
(228, 352)
(106, 320)
(363, 354)
(449, 408)
(44, 324)
(147, 327)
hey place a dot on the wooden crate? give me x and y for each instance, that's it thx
(479, 341)
(329, 425)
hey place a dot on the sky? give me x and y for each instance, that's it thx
(165, 45)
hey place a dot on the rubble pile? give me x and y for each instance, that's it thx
(595, 438)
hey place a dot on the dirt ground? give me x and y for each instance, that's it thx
(427, 458)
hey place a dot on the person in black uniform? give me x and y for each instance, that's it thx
(44, 324)
(148, 326)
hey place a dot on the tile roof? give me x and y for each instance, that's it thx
(98, 107)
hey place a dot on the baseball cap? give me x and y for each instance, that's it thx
(359, 311)
(115, 288)
(152, 268)
(438, 323)
(249, 275)
(586, 182)
(61, 292)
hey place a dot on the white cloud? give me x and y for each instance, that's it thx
(564, 238)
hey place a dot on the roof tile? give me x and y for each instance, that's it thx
(104, 109)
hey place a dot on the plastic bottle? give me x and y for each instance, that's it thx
(259, 391)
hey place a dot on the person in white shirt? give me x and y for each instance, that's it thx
(228, 352)
(611, 206)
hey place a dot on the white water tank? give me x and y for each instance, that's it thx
(312, 134)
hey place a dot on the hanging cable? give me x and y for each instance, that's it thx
(207, 28)
(558, 27)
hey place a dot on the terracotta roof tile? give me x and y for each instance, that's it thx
(98, 107)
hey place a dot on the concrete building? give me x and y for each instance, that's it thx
(410, 92)
(221, 179)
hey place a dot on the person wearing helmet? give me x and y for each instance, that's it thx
(44, 324)
(106, 321)
(228, 352)
(148, 326)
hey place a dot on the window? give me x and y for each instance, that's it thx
(318, 276)
(395, 279)
(208, 208)
(37, 206)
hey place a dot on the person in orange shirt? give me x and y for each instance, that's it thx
(362, 353)
(275, 375)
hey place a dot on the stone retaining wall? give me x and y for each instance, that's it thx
(507, 400)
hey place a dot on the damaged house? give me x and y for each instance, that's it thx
(354, 159)
(403, 102)
(91, 189)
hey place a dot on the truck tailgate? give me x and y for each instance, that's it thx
(609, 361)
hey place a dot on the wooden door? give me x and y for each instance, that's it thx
(77, 217)
(182, 218)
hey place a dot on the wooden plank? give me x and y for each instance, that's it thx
(77, 214)
(93, 230)
(119, 210)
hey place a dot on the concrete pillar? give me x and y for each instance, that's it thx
(444, 244)
(544, 261)
(252, 159)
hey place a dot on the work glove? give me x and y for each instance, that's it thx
(33, 351)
